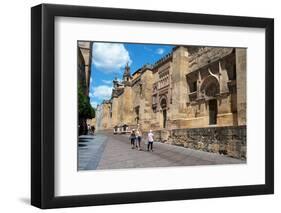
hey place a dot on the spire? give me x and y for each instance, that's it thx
(127, 73)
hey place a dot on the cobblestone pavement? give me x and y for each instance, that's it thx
(108, 151)
(90, 150)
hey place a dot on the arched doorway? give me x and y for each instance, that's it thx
(125, 126)
(163, 105)
(213, 111)
(164, 118)
(210, 88)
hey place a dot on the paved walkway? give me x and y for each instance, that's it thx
(108, 151)
(90, 150)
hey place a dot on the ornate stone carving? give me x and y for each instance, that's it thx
(207, 55)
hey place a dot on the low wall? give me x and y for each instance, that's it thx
(228, 140)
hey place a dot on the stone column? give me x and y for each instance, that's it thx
(179, 84)
(147, 80)
(241, 78)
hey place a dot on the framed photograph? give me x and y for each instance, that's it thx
(134, 106)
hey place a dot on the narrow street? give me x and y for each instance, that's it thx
(108, 151)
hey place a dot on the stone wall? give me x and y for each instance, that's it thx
(229, 140)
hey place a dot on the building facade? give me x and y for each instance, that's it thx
(84, 64)
(189, 88)
(84, 55)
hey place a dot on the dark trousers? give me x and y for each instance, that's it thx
(133, 141)
(150, 144)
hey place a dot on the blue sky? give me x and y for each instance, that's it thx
(109, 60)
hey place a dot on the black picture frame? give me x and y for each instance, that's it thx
(43, 105)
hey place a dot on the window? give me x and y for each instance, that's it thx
(193, 86)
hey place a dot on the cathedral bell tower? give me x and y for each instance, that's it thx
(127, 74)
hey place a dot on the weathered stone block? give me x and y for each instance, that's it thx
(227, 140)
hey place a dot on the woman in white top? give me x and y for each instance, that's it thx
(150, 141)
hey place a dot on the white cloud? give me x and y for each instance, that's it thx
(101, 92)
(94, 104)
(107, 81)
(110, 57)
(160, 51)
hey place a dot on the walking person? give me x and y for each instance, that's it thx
(93, 130)
(138, 138)
(133, 138)
(150, 141)
(88, 129)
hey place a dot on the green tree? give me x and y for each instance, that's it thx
(84, 107)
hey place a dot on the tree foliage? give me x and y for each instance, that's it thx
(84, 107)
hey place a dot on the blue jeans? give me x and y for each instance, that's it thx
(138, 141)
